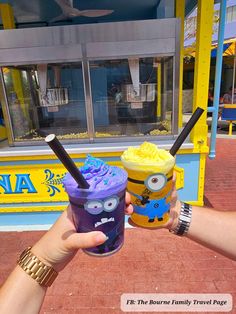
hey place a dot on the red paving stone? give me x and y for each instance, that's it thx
(149, 262)
(220, 183)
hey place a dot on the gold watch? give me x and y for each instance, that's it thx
(43, 274)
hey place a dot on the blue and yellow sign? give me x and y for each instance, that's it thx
(33, 186)
(37, 185)
(29, 185)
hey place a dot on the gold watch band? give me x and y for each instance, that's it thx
(43, 274)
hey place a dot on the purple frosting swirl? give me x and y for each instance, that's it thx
(104, 180)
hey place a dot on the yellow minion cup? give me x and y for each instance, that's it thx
(150, 172)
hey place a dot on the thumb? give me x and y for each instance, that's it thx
(85, 240)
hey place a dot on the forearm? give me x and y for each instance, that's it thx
(214, 229)
(21, 294)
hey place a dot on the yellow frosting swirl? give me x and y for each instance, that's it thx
(147, 157)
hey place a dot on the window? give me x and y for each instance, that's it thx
(130, 98)
(234, 13)
(231, 14)
(57, 107)
(126, 100)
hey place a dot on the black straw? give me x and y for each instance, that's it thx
(186, 130)
(62, 155)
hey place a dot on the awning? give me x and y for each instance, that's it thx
(214, 50)
(229, 49)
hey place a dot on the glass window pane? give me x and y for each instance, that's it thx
(46, 99)
(234, 13)
(229, 15)
(132, 97)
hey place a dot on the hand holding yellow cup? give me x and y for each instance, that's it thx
(150, 172)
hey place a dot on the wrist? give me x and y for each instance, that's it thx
(182, 222)
(174, 216)
(53, 255)
(33, 266)
(39, 252)
(44, 251)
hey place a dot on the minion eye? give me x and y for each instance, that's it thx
(111, 203)
(94, 207)
(155, 182)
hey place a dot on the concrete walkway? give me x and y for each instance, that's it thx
(149, 262)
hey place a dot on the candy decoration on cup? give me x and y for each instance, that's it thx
(186, 130)
(62, 155)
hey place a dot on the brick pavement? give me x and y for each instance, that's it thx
(220, 180)
(149, 262)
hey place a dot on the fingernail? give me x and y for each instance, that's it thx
(101, 238)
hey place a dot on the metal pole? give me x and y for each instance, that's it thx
(216, 99)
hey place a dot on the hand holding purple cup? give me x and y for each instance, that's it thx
(97, 197)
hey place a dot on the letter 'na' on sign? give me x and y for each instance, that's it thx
(23, 182)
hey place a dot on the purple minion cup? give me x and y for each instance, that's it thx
(101, 206)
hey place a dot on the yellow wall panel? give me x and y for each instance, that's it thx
(36, 183)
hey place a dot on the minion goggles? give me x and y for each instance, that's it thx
(155, 182)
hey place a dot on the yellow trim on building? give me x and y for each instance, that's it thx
(231, 127)
(18, 88)
(201, 178)
(159, 90)
(30, 209)
(196, 150)
(195, 203)
(180, 13)
(202, 68)
(3, 132)
(7, 16)
(230, 106)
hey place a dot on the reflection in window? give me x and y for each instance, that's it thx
(231, 14)
(46, 99)
(132, 97)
